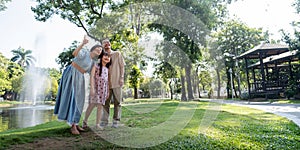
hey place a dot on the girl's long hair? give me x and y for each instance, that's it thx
(100, 63)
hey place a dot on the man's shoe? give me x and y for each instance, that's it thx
(114, 125)
(103, 124)
(98, 127)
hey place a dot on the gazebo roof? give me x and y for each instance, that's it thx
(281, 58)
(268, 49)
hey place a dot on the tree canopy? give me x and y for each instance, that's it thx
(23, 57)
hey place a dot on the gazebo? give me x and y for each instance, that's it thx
(272, 70)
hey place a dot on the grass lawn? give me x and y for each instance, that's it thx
(7, 103)
(156, 124)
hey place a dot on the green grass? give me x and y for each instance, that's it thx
(7, 103)
(233, 127)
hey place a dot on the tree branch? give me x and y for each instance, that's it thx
(94, 11)
(81, 24)
(102, 6)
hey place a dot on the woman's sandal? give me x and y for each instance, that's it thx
(84, 125)
(80, 129)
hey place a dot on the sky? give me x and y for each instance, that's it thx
(271, 15)
(19, 28)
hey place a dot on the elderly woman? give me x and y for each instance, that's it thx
(71, 93)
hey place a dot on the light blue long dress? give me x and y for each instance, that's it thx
(71, 92)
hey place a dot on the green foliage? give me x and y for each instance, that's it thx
(81, 13)
(23, 57)
(205, 80)
(156, 88)
(296, 4)
(10, 75)
(54, 73)
(244, 95)
(3, 3)
(165, 71)
(135, 77)
(65, 58)
(54, 88)
(16, 76)
(292, 89)
(55, 76)
(233, 39)
(292, 40)
(145, 87)
(4, 75)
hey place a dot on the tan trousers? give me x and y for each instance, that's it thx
(116, 93)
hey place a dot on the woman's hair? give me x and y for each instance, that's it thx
(95, 46)
(103, 53)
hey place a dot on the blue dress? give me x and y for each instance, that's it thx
(71, 92)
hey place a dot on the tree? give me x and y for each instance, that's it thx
(3, 3)
(81, 13)
(10, 78)
(205, 80)
(16, 75)
(189, 32)
(156, 88)
(145, 87)
(65, 58)
(167, 73)
(135, 79)
(234, 38)
(23, 57)
(4, 75)
(55, 76)
(293, 41)
(296, 4)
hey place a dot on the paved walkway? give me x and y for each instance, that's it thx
(289, 111)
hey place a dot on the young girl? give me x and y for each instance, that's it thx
(99, 89)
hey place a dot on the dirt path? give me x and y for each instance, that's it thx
(60, 143)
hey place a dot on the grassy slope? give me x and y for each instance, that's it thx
(233, 128)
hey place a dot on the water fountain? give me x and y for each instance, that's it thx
(36, 83)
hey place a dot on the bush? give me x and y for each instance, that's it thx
(244, 96)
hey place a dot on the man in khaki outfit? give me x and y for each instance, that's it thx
(116, 82)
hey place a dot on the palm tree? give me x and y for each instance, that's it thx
(23, 57)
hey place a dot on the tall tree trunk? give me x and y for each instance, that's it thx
(228, 83)
(135, 93)
(194, 83)
(183, 93)
(171, 89)
(235, 93)
(189, 83)
(239, 83)
(219, 83)
(198, 82)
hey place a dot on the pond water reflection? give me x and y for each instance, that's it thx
(23, 116)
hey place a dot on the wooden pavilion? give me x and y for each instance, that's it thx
(271, 71)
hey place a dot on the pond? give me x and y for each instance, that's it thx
(22, 116)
